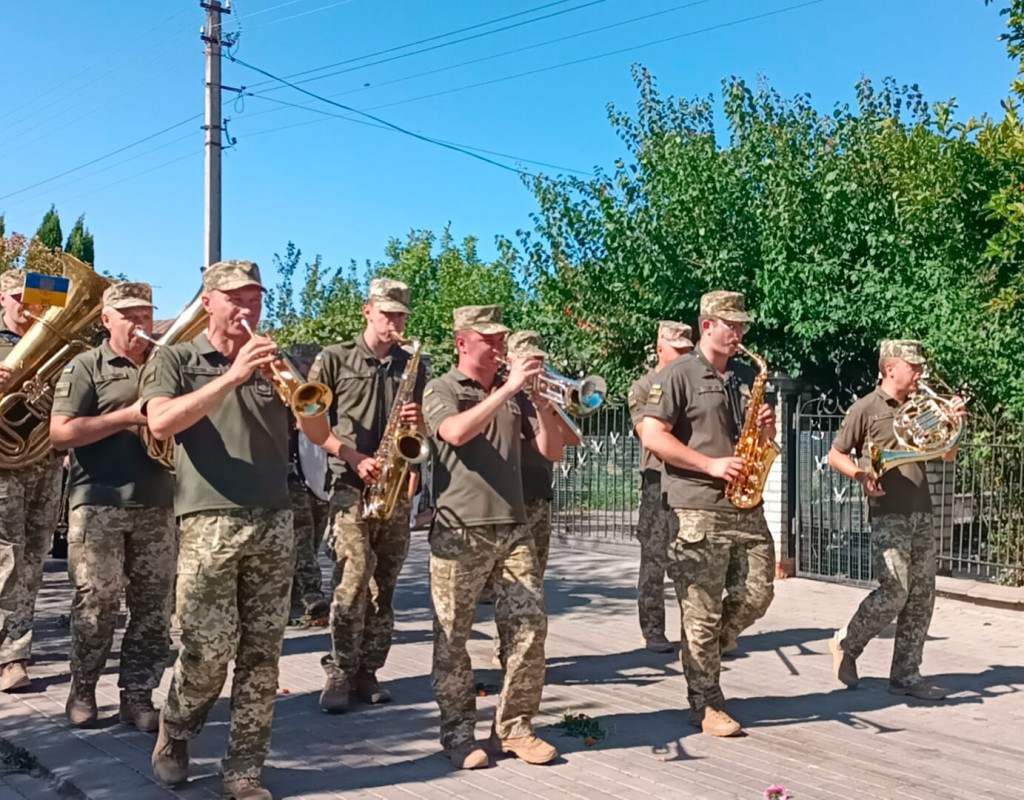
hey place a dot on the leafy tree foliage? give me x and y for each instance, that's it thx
(80, 242)
(49, 232)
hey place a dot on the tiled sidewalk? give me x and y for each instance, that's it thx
(804, 731)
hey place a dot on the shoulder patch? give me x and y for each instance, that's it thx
(427, 393)
(631, 399)
(655, 395)
(62, 389)
(69, 369)
(149, 377)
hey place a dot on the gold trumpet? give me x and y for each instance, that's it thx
(304, 398)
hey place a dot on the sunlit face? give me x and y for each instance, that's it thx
(386, 325)
(725, 336)
(481, 350)
(903, 375)
(228, 308)
(16, 312)
(124, 322)
(667, 353)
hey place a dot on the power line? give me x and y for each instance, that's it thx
(306, 13)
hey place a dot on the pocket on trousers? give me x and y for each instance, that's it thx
(691, 528)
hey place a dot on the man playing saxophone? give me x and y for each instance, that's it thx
(121, 528)
(694, 418)
(364, 374)
(903, 545)
(29, 508)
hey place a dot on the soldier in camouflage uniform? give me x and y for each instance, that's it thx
(477, 426)
(121, 530)
(364, 375)
(695, 411)
(29, 509)
(236, 555)
(903, 547)
(653, 525)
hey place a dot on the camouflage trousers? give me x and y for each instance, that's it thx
(652, 532)
(903, 548)
(234, 574)
(461, 561)
(368, 557)
(109, 547)
(310, 523)
(716, 553)
(29, 508)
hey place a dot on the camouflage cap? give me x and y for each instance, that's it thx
(13, 280)
(527, 344)
(228, 275)
(675, 334)
(128, 295)
(730, 306)
(482, 319)
(389, 295)
(910, 350)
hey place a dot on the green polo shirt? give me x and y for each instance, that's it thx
(364, 392)
(538, 472)
(869, 419)
(237, 455)
(115, 471)
(706, 413)
(481, 482)
(637, 402)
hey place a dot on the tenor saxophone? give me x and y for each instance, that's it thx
(401, 446)
(758, 456)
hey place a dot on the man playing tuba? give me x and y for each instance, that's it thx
(903, 545)
(29, 509)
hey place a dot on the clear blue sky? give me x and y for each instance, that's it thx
(85, 78)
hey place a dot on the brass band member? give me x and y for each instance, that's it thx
(29, 508)
(653, 523)
(121, 528)
(364, 375)
(477, 427)
(902, 542)
(236, 552)
(695, 412)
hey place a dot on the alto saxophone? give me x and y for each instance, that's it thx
(758, 456)
(401, 446)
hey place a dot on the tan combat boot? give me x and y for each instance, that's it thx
(717, 723)
(244, 787)
(170, 757)
(14, 676)
(531, 749)
(334, 697)
(467, 756)
(81, 706)
(137, 709)
(844, 666)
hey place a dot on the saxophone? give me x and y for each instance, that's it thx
(400, 447)
(746, 492)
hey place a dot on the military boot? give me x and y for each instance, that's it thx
(14, 676)
(81, 706)
(244, 787)
(366, 687)
(334, 697)
(170, 757)
(531, 749)
(137, 709)
(844, 666)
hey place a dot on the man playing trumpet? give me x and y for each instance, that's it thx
(121, 527)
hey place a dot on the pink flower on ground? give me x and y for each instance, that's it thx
(776, 792)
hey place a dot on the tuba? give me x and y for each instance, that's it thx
(304, 398)
(37, 361)
(399, 447)
(758, 456)
(186, 326)
(927, 426)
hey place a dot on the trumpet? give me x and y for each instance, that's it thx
(578, 398)
(304, 398)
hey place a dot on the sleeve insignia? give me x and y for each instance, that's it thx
(631, 399)
(149, 377)
(62, 389)
(655, 395)
(69, 369)
(427, 393)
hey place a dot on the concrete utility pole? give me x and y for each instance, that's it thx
(212, 36)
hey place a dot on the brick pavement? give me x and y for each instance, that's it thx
(804, 731)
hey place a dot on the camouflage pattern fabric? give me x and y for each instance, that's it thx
(111, 548)
(29, 508)
(234, 574)
(652, 532)
(903, 550)
(461, 561)
(307, 583)
(716, 553)
(368, 556)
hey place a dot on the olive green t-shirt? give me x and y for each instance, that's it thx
(116, 470)
(480, 482)
(237, 455)
(7, 341)
(538, 474)
(364, 392)
(706, 413)
(637, 402)
(868, 420)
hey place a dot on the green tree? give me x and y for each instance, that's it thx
(49, 232)
(80, 242)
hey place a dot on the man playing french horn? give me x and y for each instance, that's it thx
(902, 540)
(364, 374)
(121, 528)
(29, 508)
(696, 414)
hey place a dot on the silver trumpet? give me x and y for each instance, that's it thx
(569, 397)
